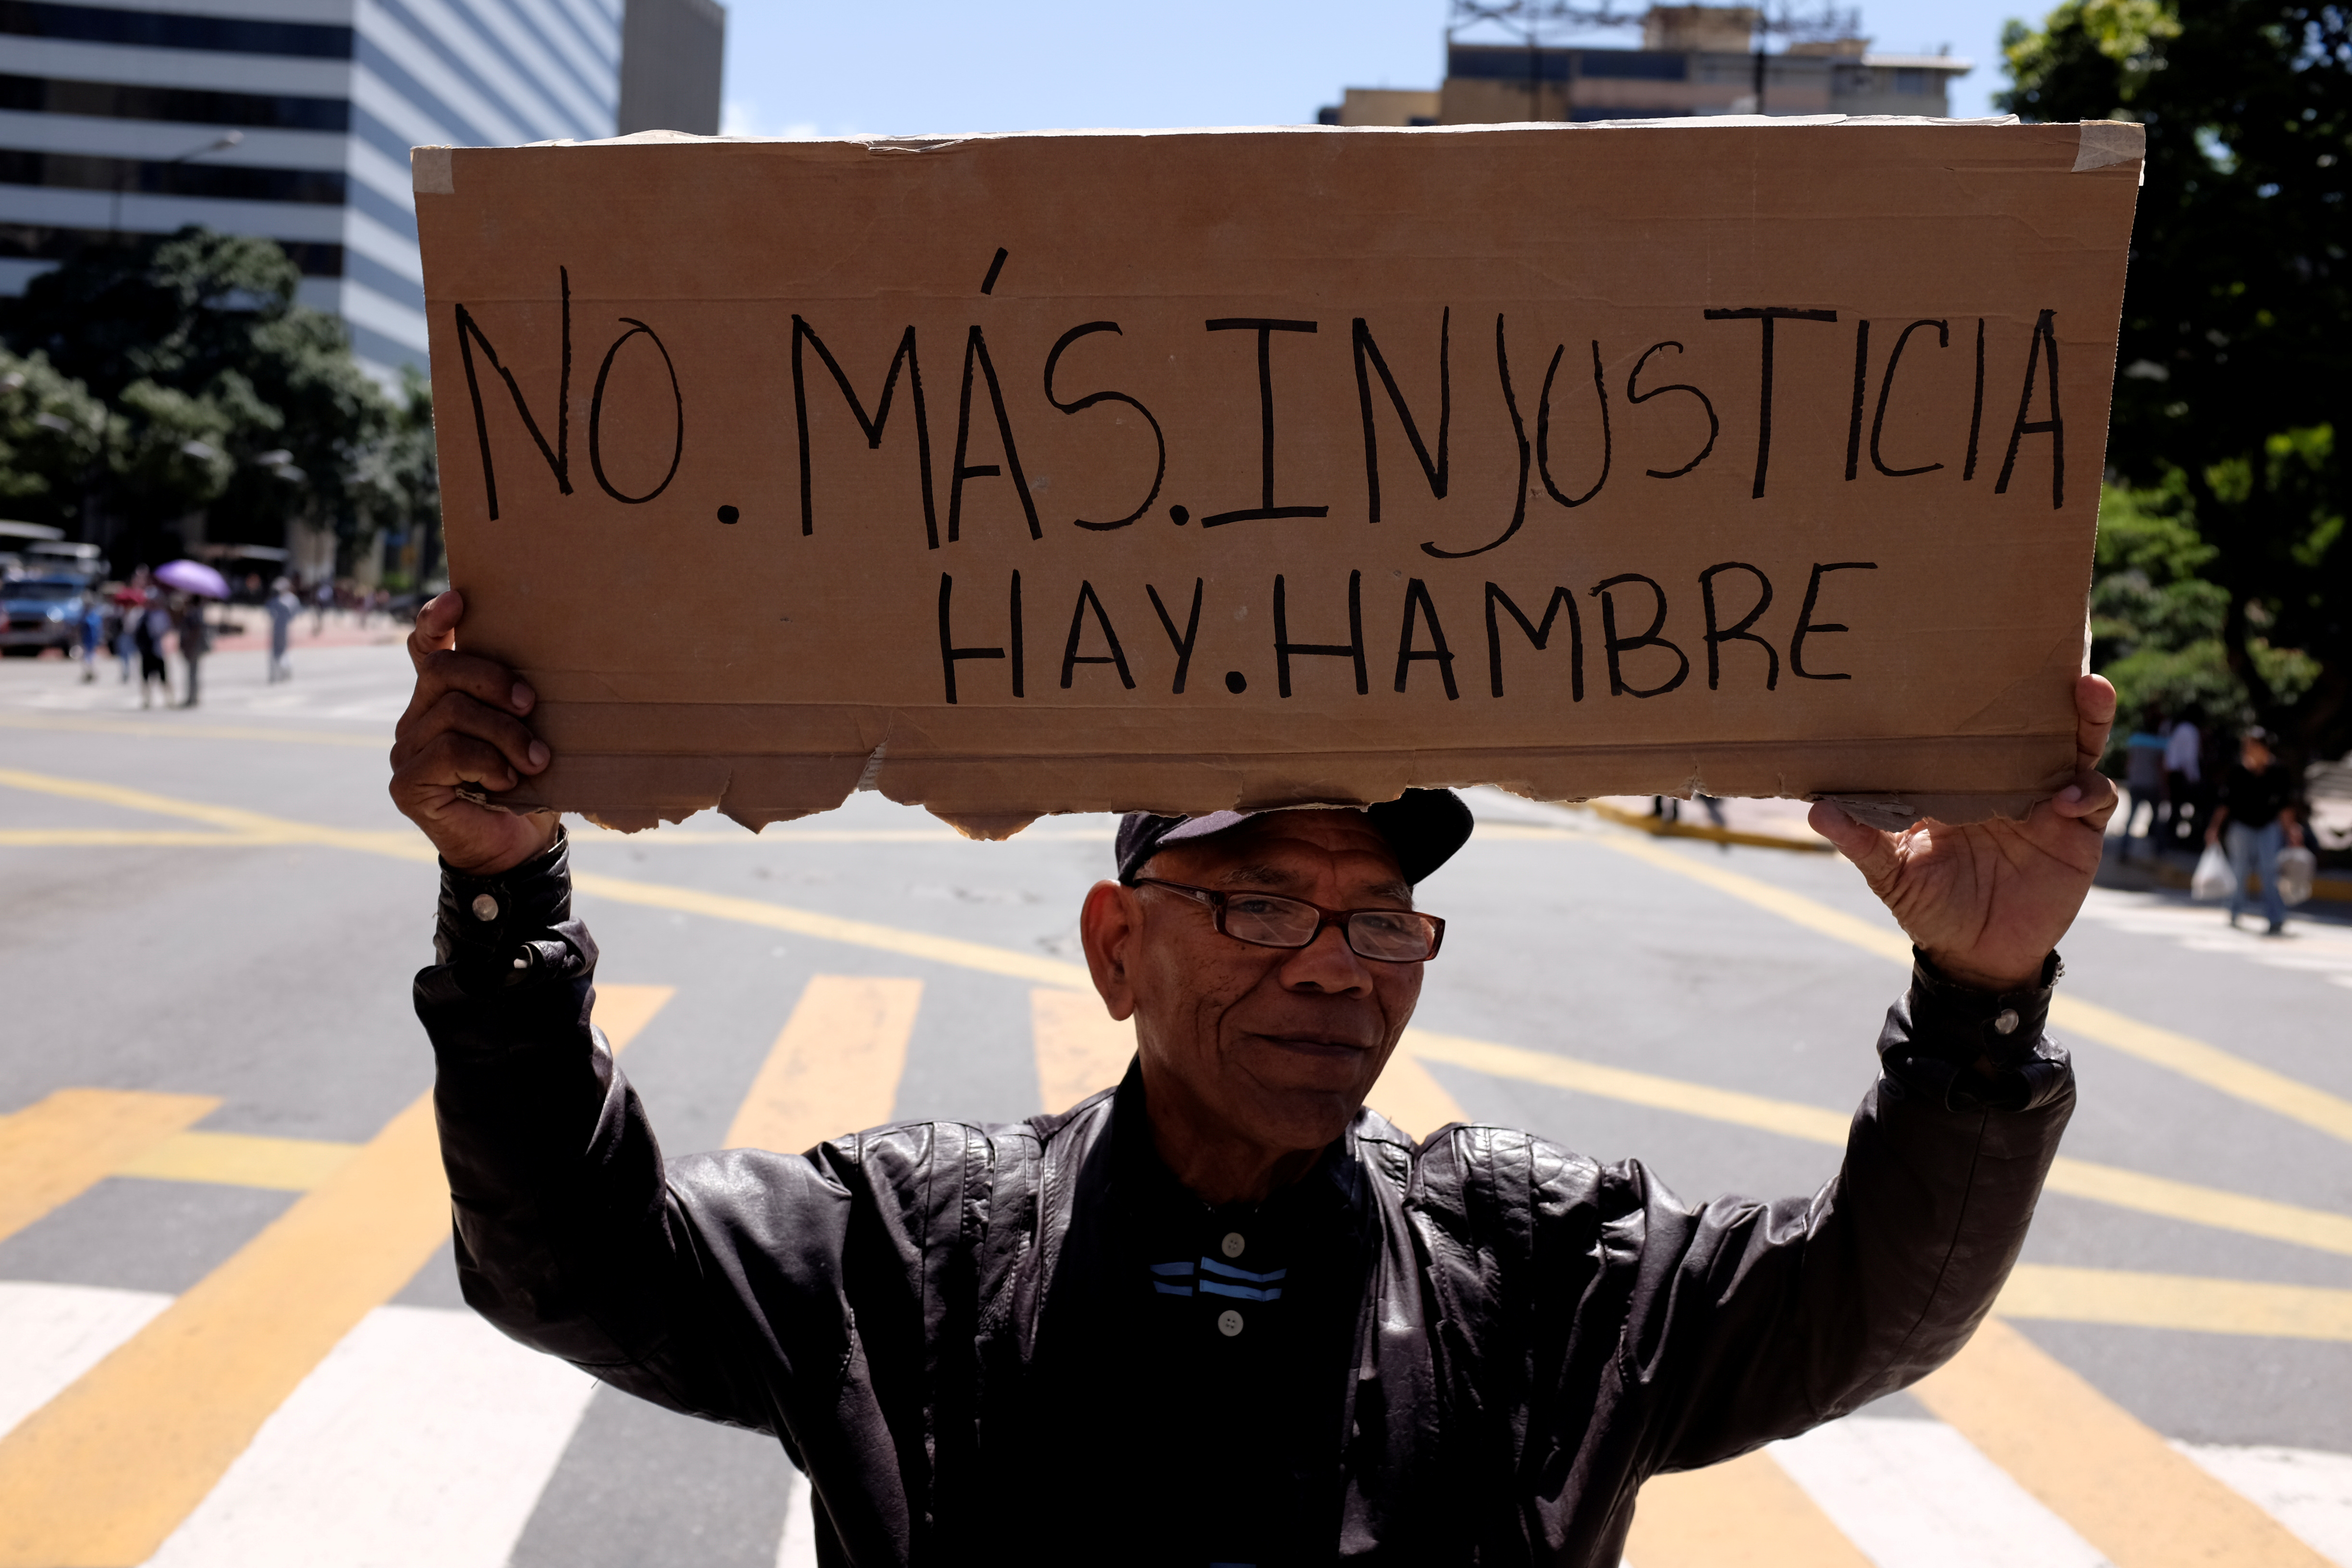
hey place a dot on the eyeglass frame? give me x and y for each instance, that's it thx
(1326, 920)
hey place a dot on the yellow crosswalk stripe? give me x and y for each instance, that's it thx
(371, 740)
(835, 1069)
(2131, 1299)
(1407, 1095)
(2193, 1060)
(1743, 1513)
(101, 1474)
(57, 1149)
(241, 1160)
(1081, 1047)
(132, 838)
(2120, 1485)
(2316, 1229)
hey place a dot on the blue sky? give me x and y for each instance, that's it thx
(799, 68)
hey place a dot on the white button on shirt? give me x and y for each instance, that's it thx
(1229, 1322)
(1233, 1244)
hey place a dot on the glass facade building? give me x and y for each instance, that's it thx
(288, 119)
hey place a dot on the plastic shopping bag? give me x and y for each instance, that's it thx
(2213, 876)
(2296, 866)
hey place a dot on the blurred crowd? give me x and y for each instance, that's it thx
(163, 617)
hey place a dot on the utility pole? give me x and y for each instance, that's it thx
(1535, 23)
(114, 222)
(1816, 24)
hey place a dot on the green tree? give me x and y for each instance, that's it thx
(2236, 351)
(53, 437)
(196, 342)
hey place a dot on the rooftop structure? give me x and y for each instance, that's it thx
(1693, 60)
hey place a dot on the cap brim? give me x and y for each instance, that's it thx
(1423, 826)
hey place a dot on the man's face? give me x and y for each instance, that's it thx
(1273, 1048)
(2253, 755)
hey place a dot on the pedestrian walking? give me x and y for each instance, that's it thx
(2255, 818)
(119, 641)
(283, 607)
(322, 598)
(2184, 779)
(1223, 1313)
(151, 624)
(93, 637)
(195, 641)
(2144, 752)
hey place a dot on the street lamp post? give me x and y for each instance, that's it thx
(218, 144)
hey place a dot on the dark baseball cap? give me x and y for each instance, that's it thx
(1424, 826)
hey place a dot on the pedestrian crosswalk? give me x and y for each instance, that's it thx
(286, 1410)
(2316, 948)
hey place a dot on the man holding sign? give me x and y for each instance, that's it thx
(1222, 1314)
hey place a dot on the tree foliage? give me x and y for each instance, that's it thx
(2224, 568)
(220, 392)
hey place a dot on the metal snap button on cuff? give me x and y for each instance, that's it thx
(1232, 1244)
(2005, 1021)
(486, 908)
(1229, 1322)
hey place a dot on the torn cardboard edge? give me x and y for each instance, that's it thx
(630, 792)
(2104, 142)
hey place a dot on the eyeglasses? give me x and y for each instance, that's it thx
(1264, 920)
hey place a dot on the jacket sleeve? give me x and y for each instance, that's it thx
(1749, 1321)
(713, 1285)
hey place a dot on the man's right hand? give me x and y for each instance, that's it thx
(464, 725)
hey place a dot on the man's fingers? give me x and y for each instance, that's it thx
(2094, 712)
(437, 625)
(452, 758)
(2091, 796)
(1871, 852)
(455, 713)
(483, 679)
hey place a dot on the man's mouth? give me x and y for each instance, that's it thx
(1318, 1045)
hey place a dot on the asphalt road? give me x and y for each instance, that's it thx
(230, 1336)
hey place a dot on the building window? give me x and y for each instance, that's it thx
(1911, 80)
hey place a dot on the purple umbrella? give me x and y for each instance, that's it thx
(192, 577)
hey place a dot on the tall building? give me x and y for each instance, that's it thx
(1693, 60)
(293, 118)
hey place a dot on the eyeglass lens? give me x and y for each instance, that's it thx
(1395, 936)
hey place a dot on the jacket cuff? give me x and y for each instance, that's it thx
(501, 931)
(1968, 1049)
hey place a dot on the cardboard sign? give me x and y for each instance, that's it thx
(1022, 474)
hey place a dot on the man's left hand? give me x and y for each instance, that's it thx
(1986, 902)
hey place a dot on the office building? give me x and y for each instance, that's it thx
(293, 118)
(1693, 60)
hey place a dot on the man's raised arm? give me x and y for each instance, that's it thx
(1783, 1315)
(569, 1233)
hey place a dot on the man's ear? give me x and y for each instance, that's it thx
(1108, 928)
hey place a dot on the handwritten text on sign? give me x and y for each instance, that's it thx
(859, 460)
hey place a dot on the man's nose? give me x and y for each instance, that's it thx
(1330, 966)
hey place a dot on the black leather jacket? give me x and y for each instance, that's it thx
(1536, 1334)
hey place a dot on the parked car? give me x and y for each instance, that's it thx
(41, 612)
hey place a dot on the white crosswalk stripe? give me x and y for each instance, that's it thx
(54, 1333)
(2307, 1491)
(798, 1548)
(424, 1437)
(428, 1436)
(2313, 947)
(1916, 1494)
